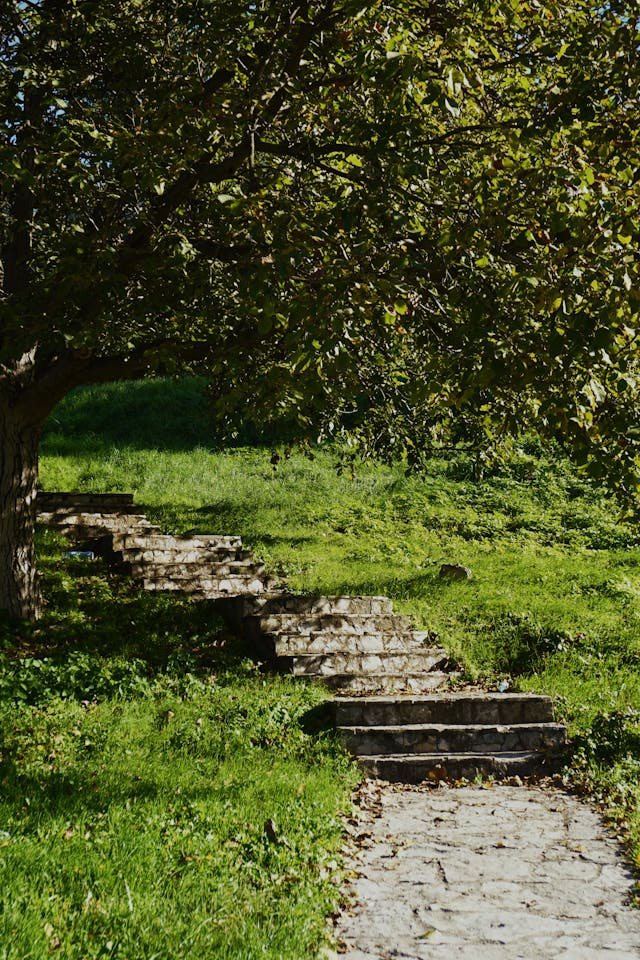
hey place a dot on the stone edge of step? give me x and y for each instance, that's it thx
(429, 739)
(401, 684)
(418, 768)
(451, 707)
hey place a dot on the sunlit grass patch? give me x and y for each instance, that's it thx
(141, 825)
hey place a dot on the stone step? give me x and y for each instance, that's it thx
(49, 500)
(450, 708)
(322, 665)
(342, 624)
(444, 766)
(176, 556)
(366, 685)
(325, 641)
(130, 523)
(166, 542)
(212, 588)
(87, 532)
(313, 604)
(171, 567)
(196, 571)
(454, 738)
(227, 589)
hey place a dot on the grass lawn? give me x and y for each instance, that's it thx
(142, 755)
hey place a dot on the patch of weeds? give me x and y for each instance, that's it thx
(612, 736)
(518, 643)
(596, 532)
(79, 676)
(467, 528)
(606, 766)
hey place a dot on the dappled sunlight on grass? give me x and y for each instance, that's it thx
(141, 756)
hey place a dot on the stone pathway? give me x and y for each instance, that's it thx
(507, 872)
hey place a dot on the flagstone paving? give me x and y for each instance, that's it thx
(508, 872)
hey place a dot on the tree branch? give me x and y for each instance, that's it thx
(53, 379)
(204, 171)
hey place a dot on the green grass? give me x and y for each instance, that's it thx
(160, 817)
(555, 587)
(142, 755)
(139, 836)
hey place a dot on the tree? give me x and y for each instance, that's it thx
(402, 218)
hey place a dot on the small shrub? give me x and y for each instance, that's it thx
(612, 736)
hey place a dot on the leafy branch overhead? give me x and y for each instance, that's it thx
(459, 160)
(416, 221)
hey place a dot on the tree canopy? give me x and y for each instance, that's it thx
(417, 221)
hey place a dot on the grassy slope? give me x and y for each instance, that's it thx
(555, 590)
(554, 605)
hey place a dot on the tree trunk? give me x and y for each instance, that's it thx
(19, 440)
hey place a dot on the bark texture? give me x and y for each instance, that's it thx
(19, 438)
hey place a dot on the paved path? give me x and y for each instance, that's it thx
(507, 872)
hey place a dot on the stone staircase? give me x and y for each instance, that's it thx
(354, 645)
(395, 710)
(451, 735)
(85, 517)
(203, 566)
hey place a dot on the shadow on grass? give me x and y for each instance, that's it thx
(422, 585)
(101, 635)
(158, 630)
(157, 414)
(271, 540)
(81, 794)
(69, 795)
(319, 719)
